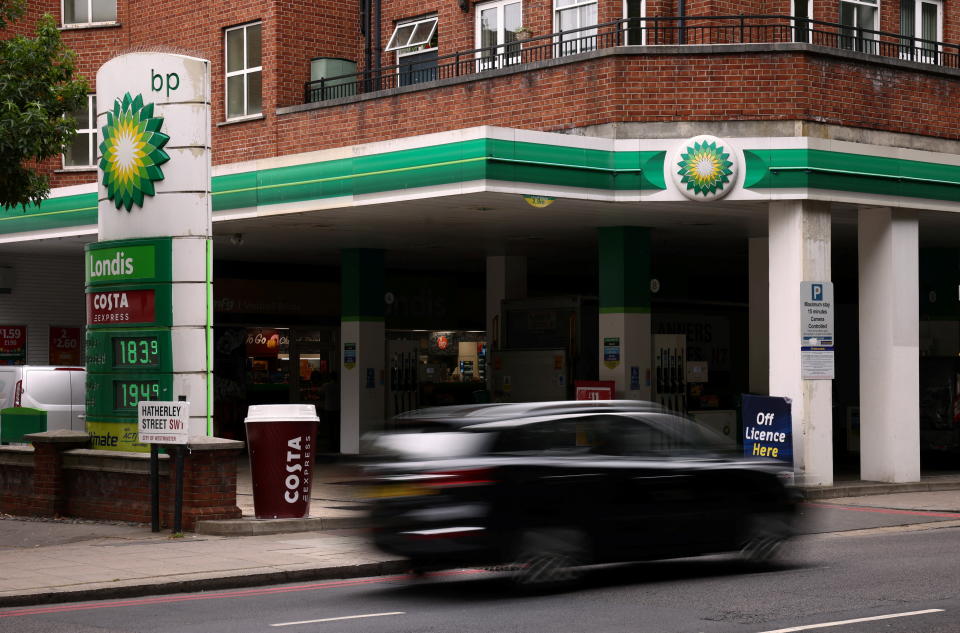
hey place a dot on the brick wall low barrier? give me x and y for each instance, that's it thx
(59, 475)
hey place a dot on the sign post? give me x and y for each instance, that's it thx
(148, 278)
(164, 423)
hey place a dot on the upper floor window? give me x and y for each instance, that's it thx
(859, 18)
(244, 71)
(803, 11)
(89, 11)
(571, 15)
(635, 28)
(415, 43)
(496, 33)
(82, 152)
(921, 24)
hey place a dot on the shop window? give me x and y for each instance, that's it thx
(82, 152)
(496, 33)
(921, 25)
(571, 17)
(803, 11)
(859, 25)
(244, 79)
(415, 44)
(79, 12)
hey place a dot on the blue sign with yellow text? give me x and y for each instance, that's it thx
(767, 427)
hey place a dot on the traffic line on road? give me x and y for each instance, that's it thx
(807, 627)
(921, 513)
(343, 617)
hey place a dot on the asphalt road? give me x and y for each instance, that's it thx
(908, 575)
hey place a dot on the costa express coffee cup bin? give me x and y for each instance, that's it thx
(280, 440)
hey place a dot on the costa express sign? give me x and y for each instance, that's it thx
(124, 306)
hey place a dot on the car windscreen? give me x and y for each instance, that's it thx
(429, 446)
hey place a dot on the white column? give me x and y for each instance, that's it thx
(889, 345)
(759, 314)
(361, 399)
(506, 279)
(799, 242)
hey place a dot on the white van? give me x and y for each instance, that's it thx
(60, 391)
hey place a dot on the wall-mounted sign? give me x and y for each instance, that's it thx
(349, 355)
(611, 352)
(65, 345)
(816, 330)
(13, 344)
(703, 168)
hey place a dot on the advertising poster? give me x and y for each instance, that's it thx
(611, 352)
(65, 345)
(13, 344)
(767, 428)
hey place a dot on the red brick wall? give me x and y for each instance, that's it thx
(59, 481)
(297, 30)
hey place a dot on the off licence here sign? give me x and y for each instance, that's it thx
(163, 422)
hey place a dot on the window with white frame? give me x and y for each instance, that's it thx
(244, 71)
(858, 19)
(921, 25)
(802, 10)
(496, 33)
(569, 16)
(82, 152)
(415, 44)
(89, 11)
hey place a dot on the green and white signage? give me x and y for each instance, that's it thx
(703, 168)
(148, 279)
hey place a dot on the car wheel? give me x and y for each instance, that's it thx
(550, 558)
(762, 537)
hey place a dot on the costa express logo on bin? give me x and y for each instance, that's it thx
(299, 457)
(121, 306)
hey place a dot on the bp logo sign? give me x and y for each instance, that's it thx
(704, 168)
(132, 151)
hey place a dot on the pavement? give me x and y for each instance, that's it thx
(64, 560)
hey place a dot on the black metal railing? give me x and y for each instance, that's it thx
(689, 30)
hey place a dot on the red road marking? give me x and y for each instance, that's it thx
(919, 513)
(240, 593)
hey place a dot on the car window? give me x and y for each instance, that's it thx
(48, 386)
(565, 435)
(426, 446)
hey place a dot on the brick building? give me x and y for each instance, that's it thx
(433, 199)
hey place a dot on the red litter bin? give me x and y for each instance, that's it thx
(280, 440)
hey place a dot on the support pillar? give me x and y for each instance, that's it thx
(889, 345)
(799, 250)
(759, 314)
(506, 279)
(624, 253)
(362, 346)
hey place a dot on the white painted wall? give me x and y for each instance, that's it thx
(46, 291)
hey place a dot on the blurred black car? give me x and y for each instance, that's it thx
(546, 488)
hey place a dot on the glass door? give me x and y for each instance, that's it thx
(496, 34)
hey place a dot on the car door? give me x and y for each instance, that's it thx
(78, 396)
(48, 389)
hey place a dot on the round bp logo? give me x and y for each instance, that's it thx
(132, 151)
(704, 168)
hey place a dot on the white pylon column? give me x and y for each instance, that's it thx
(799, 248)
(889, 345)
(759, 314)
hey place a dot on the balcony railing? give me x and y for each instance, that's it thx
(690, 30)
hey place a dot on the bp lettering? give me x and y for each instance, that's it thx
(158, 82)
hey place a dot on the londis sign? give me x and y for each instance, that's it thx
(144, 260)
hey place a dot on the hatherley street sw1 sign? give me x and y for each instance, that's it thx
(163, 422)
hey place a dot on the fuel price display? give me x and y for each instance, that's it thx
(133, 352)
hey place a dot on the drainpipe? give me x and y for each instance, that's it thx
(368, 45)
(379, 49)
(682, 10)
